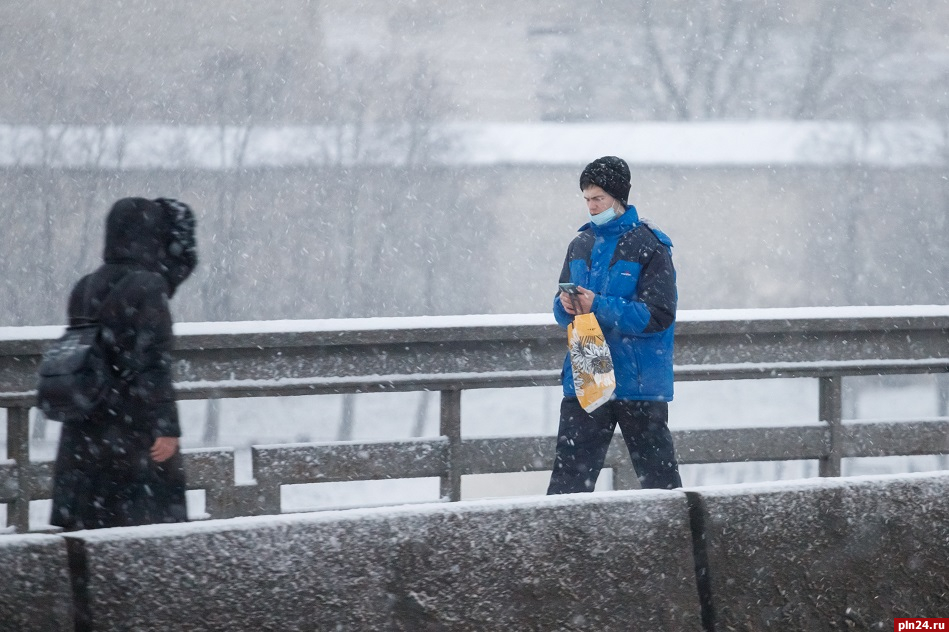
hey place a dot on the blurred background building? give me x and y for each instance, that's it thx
(394, 158)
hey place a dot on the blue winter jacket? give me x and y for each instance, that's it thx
(628, 265)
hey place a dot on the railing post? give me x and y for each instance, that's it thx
(450, 427)
(831, 407)
(262, 499)
(212, 422)
(942, 394)
(624, 475)
(39, 425)
(942, 410)
(18, 450)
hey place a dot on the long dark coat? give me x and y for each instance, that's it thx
(104, 475)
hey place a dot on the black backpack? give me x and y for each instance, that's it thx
(75, 375)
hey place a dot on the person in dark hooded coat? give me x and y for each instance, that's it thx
(123, 466)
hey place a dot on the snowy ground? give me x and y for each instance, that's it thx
(530, 411)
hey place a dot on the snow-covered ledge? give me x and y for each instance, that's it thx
(795, 555)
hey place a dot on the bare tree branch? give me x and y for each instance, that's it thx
(820, 65)
(679, 103)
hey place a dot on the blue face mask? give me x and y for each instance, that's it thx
(604, 217)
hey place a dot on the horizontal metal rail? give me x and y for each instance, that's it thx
(516, 379)
(212, 469)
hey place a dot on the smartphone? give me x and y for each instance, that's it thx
(569, 288)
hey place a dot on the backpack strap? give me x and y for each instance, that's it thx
(84, 318)
(123, 375)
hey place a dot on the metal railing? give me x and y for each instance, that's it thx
(452, 354)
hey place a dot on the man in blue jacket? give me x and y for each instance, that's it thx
(624, 273)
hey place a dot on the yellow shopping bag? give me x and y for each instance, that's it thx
(593, 377)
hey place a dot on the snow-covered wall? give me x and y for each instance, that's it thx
(35, 594)
(817, 554)
(826, 554)
(616, 562)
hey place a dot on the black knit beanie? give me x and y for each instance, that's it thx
(610, 174)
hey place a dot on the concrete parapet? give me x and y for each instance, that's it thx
(814, 555)
(35, 592)
(824, 554)
(616, 561)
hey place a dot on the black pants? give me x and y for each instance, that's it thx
(584, 438)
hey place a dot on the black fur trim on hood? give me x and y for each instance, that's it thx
(183, 248)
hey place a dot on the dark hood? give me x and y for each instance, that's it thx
(158, 235)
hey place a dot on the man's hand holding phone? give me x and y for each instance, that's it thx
(576, 299)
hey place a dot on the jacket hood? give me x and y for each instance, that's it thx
(157, 235)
